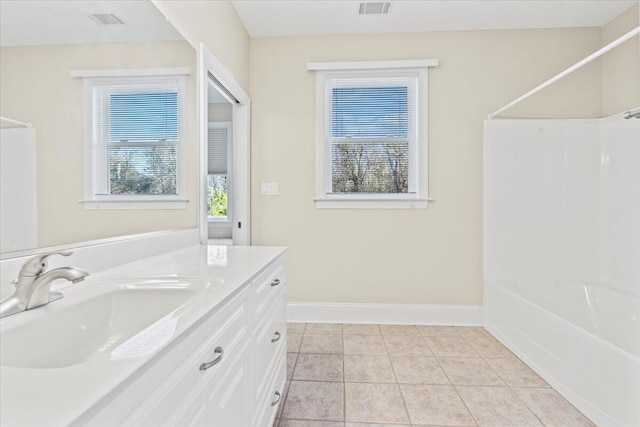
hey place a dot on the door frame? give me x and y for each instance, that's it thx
(208, 65)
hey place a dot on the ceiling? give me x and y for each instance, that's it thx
(61, 22)
(269, 18)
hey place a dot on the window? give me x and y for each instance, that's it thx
(134, 143)
(371, 129)
(219, 173)
(371, 143)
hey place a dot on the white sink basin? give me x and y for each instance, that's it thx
(124, 320)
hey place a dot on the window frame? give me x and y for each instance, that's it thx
(417, 197)
(228, 220)
(92, 200)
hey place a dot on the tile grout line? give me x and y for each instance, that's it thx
(344, 385)
(295, 363)
(456, 391)
(431, 384)
(456, 388)
(404, 403)
(506, 384)
(287, 387)
(494, 371)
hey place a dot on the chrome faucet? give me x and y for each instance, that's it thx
(33, 286)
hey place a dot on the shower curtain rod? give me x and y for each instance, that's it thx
(17, 122)
(569, 70)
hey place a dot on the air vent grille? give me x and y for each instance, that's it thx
(107, 19)
(374, 8)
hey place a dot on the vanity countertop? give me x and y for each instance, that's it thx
(61, 396)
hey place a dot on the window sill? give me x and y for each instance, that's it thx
(372, 203)
(129, 204)
(215, 223)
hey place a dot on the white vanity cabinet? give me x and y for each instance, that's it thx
(244, 342)
(268, 342)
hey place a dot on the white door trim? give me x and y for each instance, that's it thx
(241, 192)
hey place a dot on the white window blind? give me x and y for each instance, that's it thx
(371, 134)
(217, 151)
(135, 138)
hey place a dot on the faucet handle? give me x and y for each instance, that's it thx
(38, 264)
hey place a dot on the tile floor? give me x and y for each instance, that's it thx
(397, 375)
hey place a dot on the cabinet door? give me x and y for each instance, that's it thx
(229, 404)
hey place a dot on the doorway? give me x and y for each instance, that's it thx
(224, 152)
(219, 168)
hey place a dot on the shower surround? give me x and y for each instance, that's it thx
(562, 256)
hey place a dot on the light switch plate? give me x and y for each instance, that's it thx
(269, 188)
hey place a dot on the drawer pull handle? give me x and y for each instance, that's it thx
(275, 282)
(277, 337)
(220, 352)
(278, 397)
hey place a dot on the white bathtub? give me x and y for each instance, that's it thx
(596, 307)
(582, 338)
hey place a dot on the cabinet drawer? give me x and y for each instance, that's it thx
(266, 287)
(269, 340)
(173, 396)
(229, 403)
(223, 347)
(273, 398)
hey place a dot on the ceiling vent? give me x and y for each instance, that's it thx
(374, 8)
(107, 19)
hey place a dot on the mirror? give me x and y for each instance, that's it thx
(45, 120)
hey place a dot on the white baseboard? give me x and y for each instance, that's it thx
(401, 314)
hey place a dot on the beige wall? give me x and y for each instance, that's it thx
(36, 87)
(429, 256)
(621, 66)
(216, 23)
